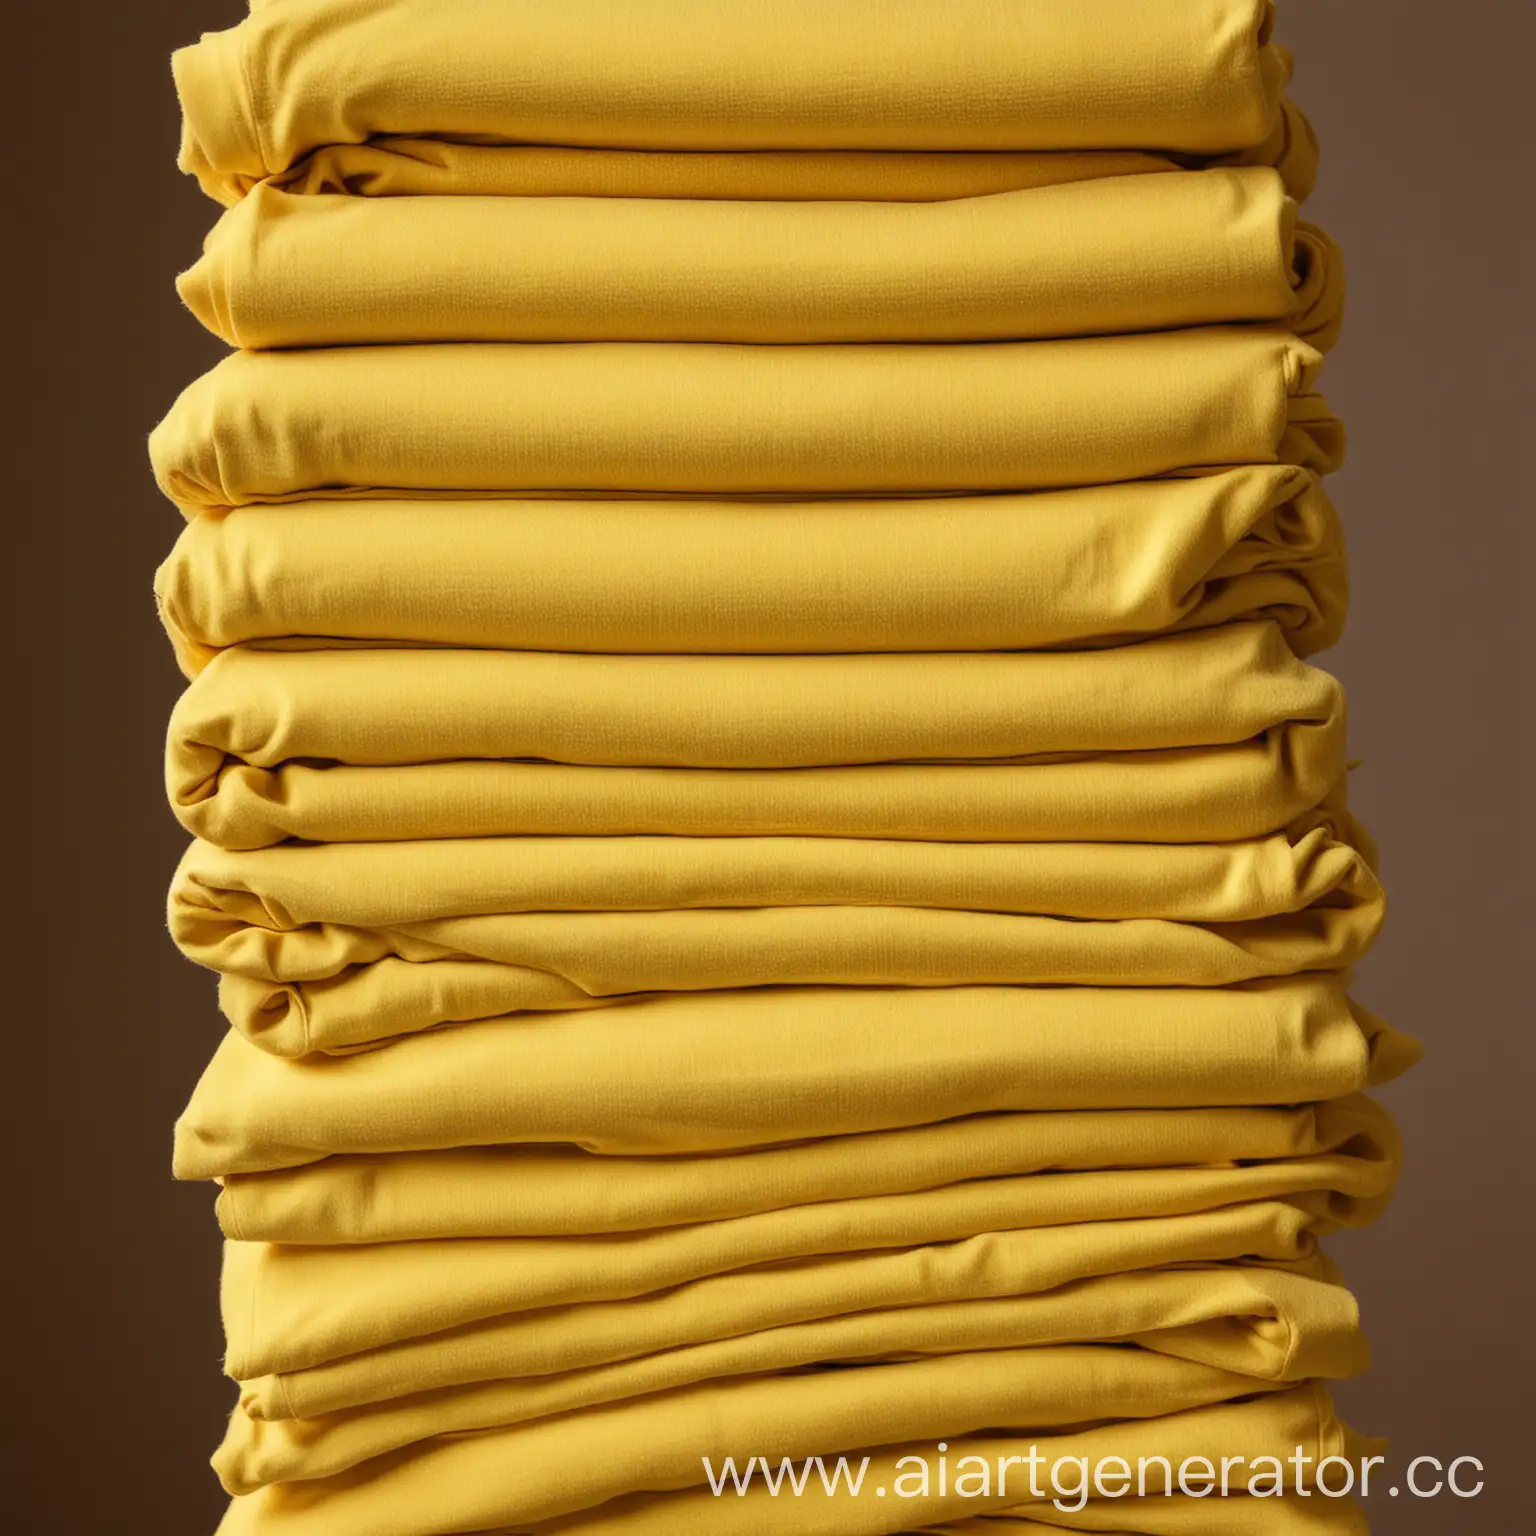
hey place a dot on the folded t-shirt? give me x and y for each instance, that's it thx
(1133, 253)
(1052, 569)
(618, 916)
(758, 75)
(695, 418)
(402, 165)
(1267, 1324)
(1033, 1385)
(555, 1190)
(578, 1462)
(1260, 1512)
(267, 743)
(448, 1311)
(707, 1071)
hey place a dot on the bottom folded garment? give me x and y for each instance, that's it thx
(1267, 1326)
(1167, 1514)
(648, 1467)
(293, 1309)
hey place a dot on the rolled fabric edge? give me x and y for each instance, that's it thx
(220, 141)
(1318, 278)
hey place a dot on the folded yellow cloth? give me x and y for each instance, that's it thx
(1190, 794)
(618, 916)
(1265, 1509)
(1154, 1514)
(1055, 568)
(445, 1312)
(700, 418)
(340, 979)
(304, 909)
(302, 1347)
(759, 74)
(1136, 253)
(1266, 1324)
(268, 744)
(579, 1461)
(1017, 1382)
(395, 165)
(548, 1191)
(707, 1071)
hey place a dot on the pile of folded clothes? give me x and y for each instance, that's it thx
(780, 879)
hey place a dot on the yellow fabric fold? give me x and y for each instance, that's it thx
(1084, 567)
(709, 1071)
(1269, 1325)
(762, 74)
(1184, 794)
(263, 743)
(401, 166)
(301, 1350)
(638, 915)
(1215, 1317)
(548, 1191)
(580, 1461)
(1155, 1514)
(699, 419)
(1034, 1385)
(1256, 1513)
(307, 892)
(1126, 254)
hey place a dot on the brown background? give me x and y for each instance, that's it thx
(1424, 109)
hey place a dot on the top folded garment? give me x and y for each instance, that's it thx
(1195, 77)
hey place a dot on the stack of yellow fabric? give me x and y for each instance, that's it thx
(780, 877)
